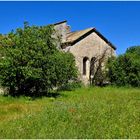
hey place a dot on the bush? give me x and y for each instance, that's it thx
(125, 69)
(31, 64)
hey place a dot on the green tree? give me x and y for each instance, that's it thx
(31, 63)
(125, 69)
(1, 38)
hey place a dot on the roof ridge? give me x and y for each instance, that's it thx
(60, 22)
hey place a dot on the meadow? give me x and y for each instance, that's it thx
(92, 112)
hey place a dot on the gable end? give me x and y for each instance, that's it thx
(70, 43)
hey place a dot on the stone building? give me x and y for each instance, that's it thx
(86, 45)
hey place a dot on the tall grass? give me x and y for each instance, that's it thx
(83, 113)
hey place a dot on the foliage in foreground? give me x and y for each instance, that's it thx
(31, 64)
(125, 69)
(83, 113)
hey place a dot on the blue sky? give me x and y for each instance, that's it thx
(119, 22)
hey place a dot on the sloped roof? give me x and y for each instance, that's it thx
(74, 37)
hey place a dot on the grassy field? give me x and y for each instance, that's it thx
(84, 113)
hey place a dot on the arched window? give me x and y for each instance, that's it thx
(85, 65)
(92, 65)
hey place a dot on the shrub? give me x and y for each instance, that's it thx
(125, 69)
(31, 64)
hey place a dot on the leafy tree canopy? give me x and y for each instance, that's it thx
(125, 69)
(31, 64)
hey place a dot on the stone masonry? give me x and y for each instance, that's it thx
(84, 45)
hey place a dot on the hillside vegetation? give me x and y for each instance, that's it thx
(84, 113)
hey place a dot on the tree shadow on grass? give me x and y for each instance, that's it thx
(51, 94)
(34, 95)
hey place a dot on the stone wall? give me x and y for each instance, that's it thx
(91, 46)
(62, 30)
(1, 91)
